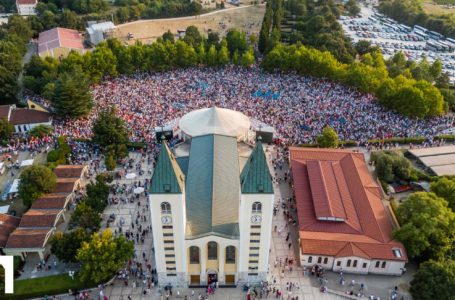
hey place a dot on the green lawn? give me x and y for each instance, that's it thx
(38, 287)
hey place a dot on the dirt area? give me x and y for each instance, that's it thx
(436, 9)
(246, 18)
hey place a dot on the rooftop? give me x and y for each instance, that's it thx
(65, 185)
(28, 116)
(28, 238)
(7, 225)
(59, 37)
(51, 201)
(69, 171)
(339, 205)
(34, 218)
(25, 2)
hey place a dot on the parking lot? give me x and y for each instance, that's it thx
(392, 37)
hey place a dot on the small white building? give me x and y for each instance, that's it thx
(212, 205)
(24, 119)
(98, 32)
(26, 7)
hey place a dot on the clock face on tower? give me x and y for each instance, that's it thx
(255, 219)
(166, 220)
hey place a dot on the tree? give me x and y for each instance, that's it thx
(168, 36)
(211, 59)
(85, 217)
(223, 56)
(352, 7)
(236, 41)
(434, 280)
(445, 188)
(34, 182)
(97, 195)
(72, 96)
(328, 139)
(192, 36)
(41, 131)
(6, 129)
(427, 226)
(363, 47)
(103, 256)
(247, 59)
(110, 133)
(65, 245)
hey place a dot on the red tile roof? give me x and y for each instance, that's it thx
(4, 111)
(51, 201)
(28, 116)
(7, 225)
(39, 218)
(59, 37)
(22, 2)
(28, 238)
(69, 171)
(65, 185)
(339, 205)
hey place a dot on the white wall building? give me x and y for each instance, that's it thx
(24, 119)
(26, 7)
(212, 206)
(343, 223)
(98, 32)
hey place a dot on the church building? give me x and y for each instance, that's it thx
(211, 201)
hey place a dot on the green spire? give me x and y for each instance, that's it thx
(255, 177)
(167, 177)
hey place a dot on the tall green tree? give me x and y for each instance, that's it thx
(65, 245)
(34, 182)
(85, 217)
(445, 188)
(72, 96)
(328, 138)
(103, 256)
(192, 36)
(6, 129)
(434, 280)
(427, 226)
(110, 133)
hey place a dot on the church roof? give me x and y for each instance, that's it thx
(255, 177)
(213, 187)
(167, 177)
(215, 120)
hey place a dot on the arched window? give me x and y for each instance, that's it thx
(165, 208)
(310, 259)
(212, 251)
(257, 207)
(349, 263)
(230, 255)
(194, 255)
(355, 264)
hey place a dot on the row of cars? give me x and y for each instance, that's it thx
(392, 37)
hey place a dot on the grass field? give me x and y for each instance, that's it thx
(435, 9)
(246, 18)
(51, 285)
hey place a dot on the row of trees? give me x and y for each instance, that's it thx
(66, 82)
(411, 13)
(100, 254)
(13, 38)
(270, 33)
(407, 96)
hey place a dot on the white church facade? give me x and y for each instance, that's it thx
(211, 202)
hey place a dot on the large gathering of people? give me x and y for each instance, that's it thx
(297, 107)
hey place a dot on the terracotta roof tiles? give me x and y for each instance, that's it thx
(28, 238)
(7, 225)
(339, 205)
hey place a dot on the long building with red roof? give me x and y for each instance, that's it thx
(343, 224)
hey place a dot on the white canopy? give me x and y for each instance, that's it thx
(138, 190)
(14, 187)
(130, 176)
(26, 163)
(215, 120)
(4, 209)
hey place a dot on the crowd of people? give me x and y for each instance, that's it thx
(297, 107)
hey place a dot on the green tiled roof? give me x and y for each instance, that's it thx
(167, 177)
(183, 163)
(255, 177)
(212, 187)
